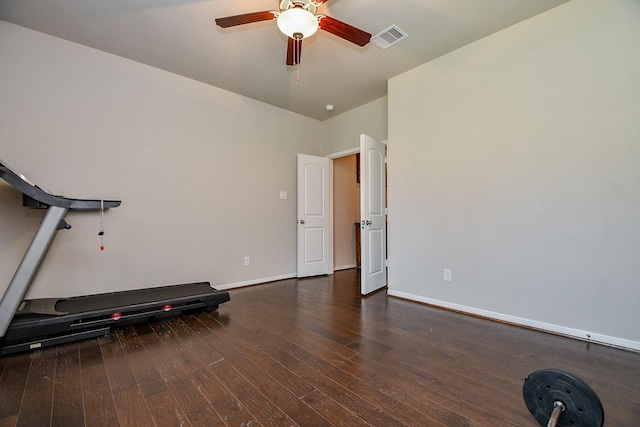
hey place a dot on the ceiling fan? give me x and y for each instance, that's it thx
(298, 19)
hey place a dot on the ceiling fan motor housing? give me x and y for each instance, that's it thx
(304, 4)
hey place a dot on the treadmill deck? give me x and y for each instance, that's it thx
(94, 315)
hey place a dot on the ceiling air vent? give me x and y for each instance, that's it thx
(389, 37)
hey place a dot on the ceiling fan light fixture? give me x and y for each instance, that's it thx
(297, 21)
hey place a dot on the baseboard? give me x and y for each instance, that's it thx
(344, 267)
(253, 282)
(528, 323)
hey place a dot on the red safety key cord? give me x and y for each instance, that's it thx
(101, 232)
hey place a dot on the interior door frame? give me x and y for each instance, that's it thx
(331, 157)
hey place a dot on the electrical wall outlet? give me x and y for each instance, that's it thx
(447, 275)
(247, 260)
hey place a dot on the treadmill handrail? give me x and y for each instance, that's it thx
(31, 190)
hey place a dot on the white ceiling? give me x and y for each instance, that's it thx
(180, 36)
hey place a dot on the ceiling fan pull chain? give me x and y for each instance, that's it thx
(298, 47)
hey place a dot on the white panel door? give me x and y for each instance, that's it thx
(373, 225)
(313, 216)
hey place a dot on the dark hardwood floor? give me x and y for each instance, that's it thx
(308, 352)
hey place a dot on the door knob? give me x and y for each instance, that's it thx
(302, 221)
(369, 222)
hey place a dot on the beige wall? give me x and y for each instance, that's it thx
(346, 211)
(199, 171)
(515, 162)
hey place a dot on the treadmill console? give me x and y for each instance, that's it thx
(38, 197)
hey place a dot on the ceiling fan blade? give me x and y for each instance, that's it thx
(247, 18)
(294, 51)
(345, 31)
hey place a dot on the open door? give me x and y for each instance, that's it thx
(314, 218)
(373, 224)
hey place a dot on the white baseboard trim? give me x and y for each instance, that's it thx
(254, 282)
(529, 323)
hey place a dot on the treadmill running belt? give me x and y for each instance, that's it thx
(175, 293)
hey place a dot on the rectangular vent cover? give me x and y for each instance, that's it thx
(389, 37)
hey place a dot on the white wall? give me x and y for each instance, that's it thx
(515, 162)
(199, 171)
(343, 132)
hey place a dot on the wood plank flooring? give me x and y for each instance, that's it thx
(308, 352)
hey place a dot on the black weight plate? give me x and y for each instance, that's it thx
(543, 388)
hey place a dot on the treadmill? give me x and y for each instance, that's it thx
(32, 324)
